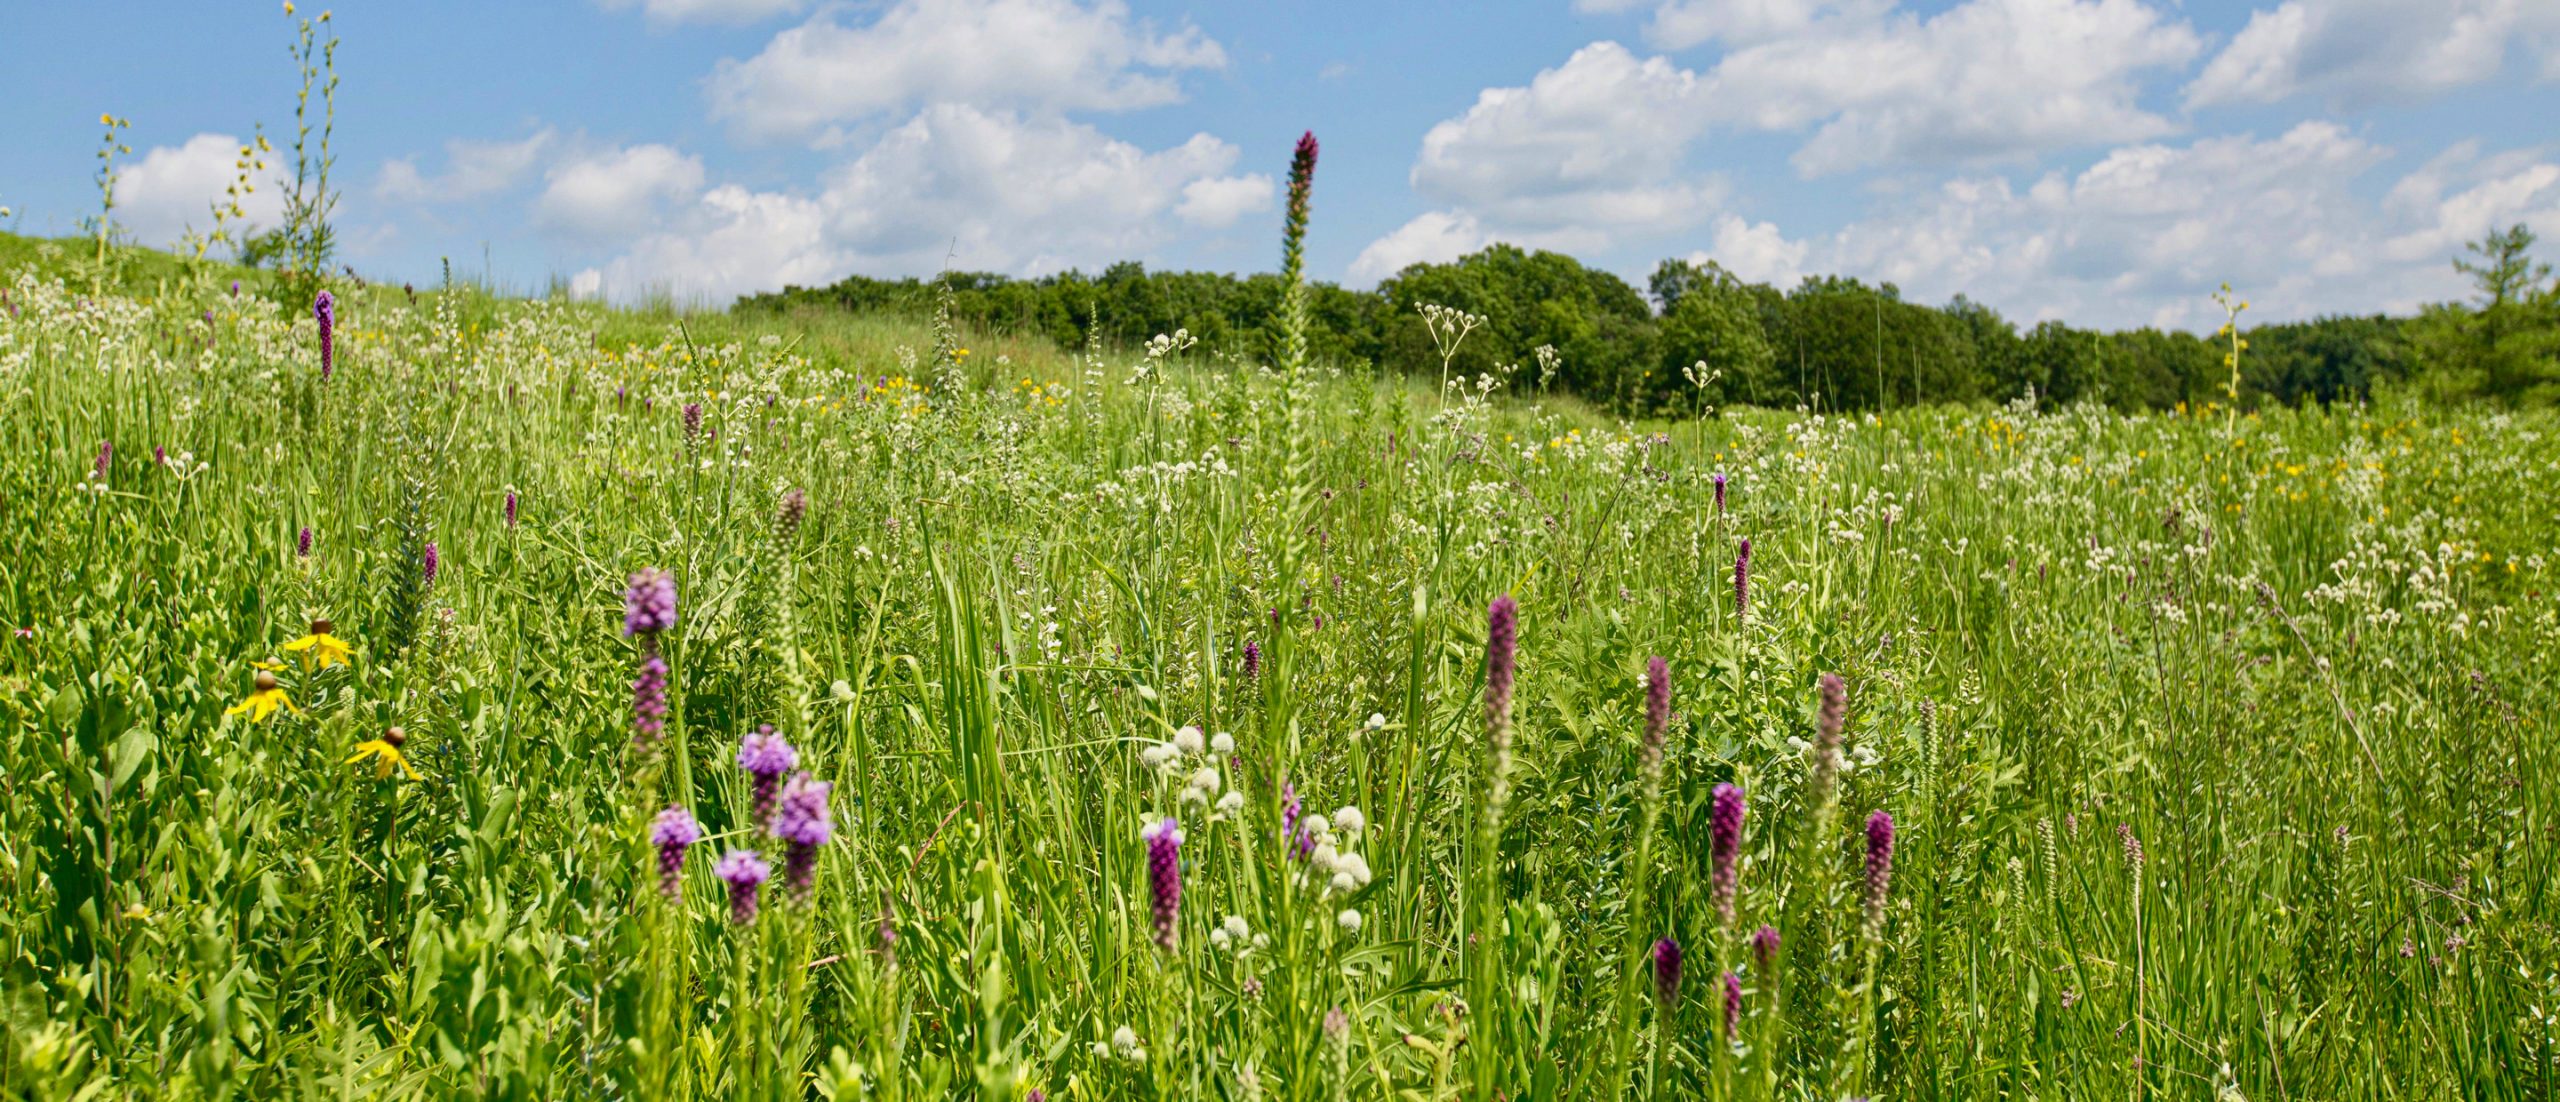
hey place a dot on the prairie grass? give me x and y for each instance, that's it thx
(2216, 747)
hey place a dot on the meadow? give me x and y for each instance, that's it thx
(462, 696)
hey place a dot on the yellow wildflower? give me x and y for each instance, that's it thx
(320, 648)
(266, 697)
(386, 755)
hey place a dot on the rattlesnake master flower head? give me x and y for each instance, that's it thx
(767, 757)
(1657, 714)
(1724, 846)
(1879, 870)
(649, 607)
(649, 702)
(802, 822)
(1764, 953)
(1666, 973)
(1164, 876)
(324, 310)
(1742, 579)
(673, 832)
(744, 871)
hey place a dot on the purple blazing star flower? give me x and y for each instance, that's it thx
(692, 422)
(1252, 659)
(649, 607)
(106, 455)
(427, 563)
(1719, 493)
(1742, 579)
(1666, 974)
(1879, 869)
(1657, 711)
(675, 830)
(1733, 1007)
(745, 871)
(1724, 844)
(302, 543)
(1164, 876)
(803, 824)
(160, 455)
(325, 310)
(1764, 953)
(511, 508)
(1501, 661)
(767, 757)
(649, 702)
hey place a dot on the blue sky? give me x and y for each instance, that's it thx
(2104, 161)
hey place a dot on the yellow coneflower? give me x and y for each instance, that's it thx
(266, 696)
(321, 649)
(386, 755)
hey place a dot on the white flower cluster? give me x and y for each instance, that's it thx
(1337, 869)
(1192, 758)
(1122, 1045)
(1236, 936)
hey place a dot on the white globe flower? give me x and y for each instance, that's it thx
(1206, 780)
(1219, 937)
(1157, 753)
(1189, 740)
(1235, 927)
(1124, 1038)
(1349, 920)
(1377, 721)
(1316, 826)
(1231, 803)
(1223, 743)
(1349, 820)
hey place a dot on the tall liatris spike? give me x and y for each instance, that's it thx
(1724, 847)
(1252, 660)
(675, 830)
(788, 515)
(692, 423)
(427, 562)
(1719, 493)
(804, 825)
(1879, 870)
(649, 702)
(1733, 1008)
(511, 508)
(1657, 716)
(649, 607)
(745, 871)
(106, 455)
(1742, 580)
(1164, 876)
(1764, 954)
(1827, 727)
(1293, 234)
(1666, 974)
(324, 310)
(767, 757)
(302, 543)
(1501, 667)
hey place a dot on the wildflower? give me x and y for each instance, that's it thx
(511, 508)
(1742, 579)
(1719, 493)
(265, 697)
(325, 310)
(1733, 1007)
(1879, 869)
(692, 423)
(1164, 875)
(745, 871)
(767, 757)
(386, 755)
(106, 454)
(1657, 716)
(649, 702)
(1190, 741)
(1827, 726)
(1724, 844)
(1764, 953)
(788, 515)
(1252, 660)
(1666, 974)
(804, 825)
(1349, 920)
(1222, 744)
(674, 831)
(650, 605)
(1501, 666)
(320, 648)
(302, 543)
(1350, 821)
(885, 936)
(427, 563)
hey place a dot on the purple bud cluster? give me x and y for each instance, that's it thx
(1724, 846)
(1164, 876)
(674, 831)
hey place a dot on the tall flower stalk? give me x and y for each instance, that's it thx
(1657, 732)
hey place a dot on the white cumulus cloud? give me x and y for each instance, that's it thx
(2357, 53)
(1027, 55)
(614, 194)
(473, 170)
(665, 12)
(173, 188)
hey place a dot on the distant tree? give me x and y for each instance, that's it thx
(1712, 318)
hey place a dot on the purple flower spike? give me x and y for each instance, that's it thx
(674, 831)
(325, 310)
(1733, 1007)
(650, 605)
(1657, 712)
(302, 543)
(106, 455)
(160, 455)
(1879, 869)
(1724, 845)
(1252, 659)
(804, 825)
(1742, 579)
(745, 871)
(692, 422)
(1764, 953)
(1666, 974)
(511, 508)
(1719, 493)
(767, 757)
(1501, 660)
(1164, 876)
(649, 702)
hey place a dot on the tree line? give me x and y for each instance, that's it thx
(1696, 333)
